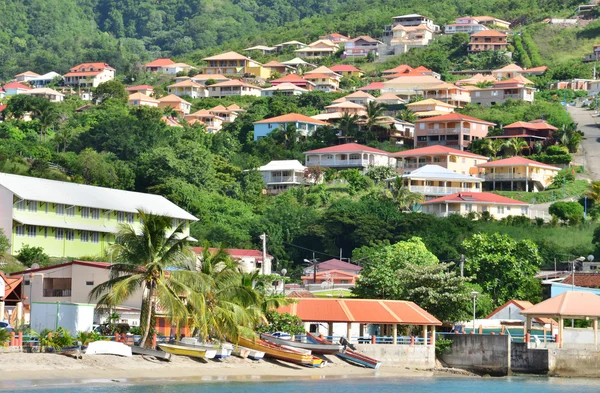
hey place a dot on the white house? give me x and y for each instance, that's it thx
(14, 88)
(89, 75)
(476, 202)
(304, 125)
(280, 175)
(249, 260)
(47, 93)
(349, 155)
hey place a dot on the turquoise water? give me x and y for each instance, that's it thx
(374, 385)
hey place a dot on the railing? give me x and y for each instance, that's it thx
(57, 292)
(400, 340)
(457, 130)
(537, 335)
(281, 179)
(343, 163)
(441, 190)
(514, 176)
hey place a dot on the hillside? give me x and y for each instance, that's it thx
(46, 35)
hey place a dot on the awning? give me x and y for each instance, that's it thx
(66, 225)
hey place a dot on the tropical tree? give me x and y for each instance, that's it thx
(408, 115)
(515, 145)
(403, 197)
(143, 257)
(348, 124)
(375, 110)
(46, 113)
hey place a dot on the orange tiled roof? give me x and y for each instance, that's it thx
(569, 303)
(488, 33)
(160, 63)
(454, 117)
(292, 118)
(360, 310)
(475, 197)
(515, 161)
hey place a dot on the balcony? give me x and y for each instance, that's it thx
(57, 292)
(443, 131)
(341, 163)
(284, 179)
(514, 176)
(431, 190)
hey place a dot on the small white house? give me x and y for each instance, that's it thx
(281, 175)
(349, 155)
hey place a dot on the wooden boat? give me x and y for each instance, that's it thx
(108, 348)
(278, 352)
(223, 351)
(193, 352)
(325, 349)
(244, 352)
(348, 354)
(162, 355)
(75, 351)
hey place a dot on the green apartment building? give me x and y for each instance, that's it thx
(74, 220)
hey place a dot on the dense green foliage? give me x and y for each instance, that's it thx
(28, 255)
(284, 322)
(126, 34)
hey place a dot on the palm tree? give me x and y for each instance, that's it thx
(347, 124)
(594, 192)
(143, 258)
(403, 197)
(375, 110)
(47, 115)
(517, 145)
(222, 302)
(408, 115)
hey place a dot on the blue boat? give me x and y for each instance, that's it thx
(347, 353)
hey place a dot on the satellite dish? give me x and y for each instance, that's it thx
(35, 266)
(324, 285)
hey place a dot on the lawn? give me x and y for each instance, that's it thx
(329, 293)
(573, 189)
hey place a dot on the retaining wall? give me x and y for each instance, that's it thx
(527, 360)
(401, 355)
(574, 362)
(481, 354)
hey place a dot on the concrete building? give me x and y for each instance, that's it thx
(26, 76)
(285, 89)
(430, 107)
(233, 88)
(69, 219)
(89, 75)
(232, 63)
(475, 202)
(488, 40)
(177, 104)
(140, 99)
(188, 88)
(46, 93)
(318, 49)
(409, 86)
(349, 155)
(517, 174)
(448, 93)
(281, 175)
(249, 261)
(452, 129)
(44, 80)
(434, 181)
(458, 161)
(304, 125)
(15, 88)
(514, 89)
(362, 46)
(465, 24)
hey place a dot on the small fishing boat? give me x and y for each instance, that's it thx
(244, 352)
(190, 351)
(223, 350)
(278, 352)
(325, 349)
(348, 354)
(108, 348)
(162, 355)
(75, 351)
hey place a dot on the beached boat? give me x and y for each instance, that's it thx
(278, 352)
(162, 355)
(108, 348)
(347, 353)
(325, 349)
(223, 350)
(75, 351)
(188, 350)
(249, 353)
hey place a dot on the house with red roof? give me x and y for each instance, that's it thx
(89, 75)
(72, 282)
(331, 277)
(158, 65)
(346, 70)
(335, 37)
(475, 202)
(335, 264)
(488, 40)
(401, 69)
(514, 89)
(304, 125)
(14, 88)
(459, 161)
(372, 87)
(517, 174)
(277, 67)
(233, 87)
(349, 155)
(144, 89)
(362, 46)
(295, 80)
(452, 129)
(531, 131)
(249, 260)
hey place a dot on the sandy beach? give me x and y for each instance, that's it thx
(46, 368)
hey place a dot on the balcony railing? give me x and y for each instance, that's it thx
(514, 176)
(441, 190)
(57, 292)
(341, 163)
(447, 131)
(283, 179)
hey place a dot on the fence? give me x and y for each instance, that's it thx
(401, 340)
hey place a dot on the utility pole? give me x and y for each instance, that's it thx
(462, 265)
(263, 237)
(314, 261)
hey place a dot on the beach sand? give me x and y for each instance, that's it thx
(47, 368)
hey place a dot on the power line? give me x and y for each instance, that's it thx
(311, 250)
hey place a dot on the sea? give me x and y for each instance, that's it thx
(336, 385)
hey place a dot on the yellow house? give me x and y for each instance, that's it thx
(176, 103)
(434, 180)
(212, 122)
(323, 82)
(234, 63)
(347, 70)
(188, 88)
(430, 107)
(448, 93)
(455, 160)
(140, 99)
(517, 174)
(320, 48)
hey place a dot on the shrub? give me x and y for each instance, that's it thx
(283, 322)
(571, 212)
(442, 346)
(29, 255)
(548, 159)
(556, 150)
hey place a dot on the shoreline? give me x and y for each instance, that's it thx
(23, 370)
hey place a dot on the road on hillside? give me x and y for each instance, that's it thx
(591, 141)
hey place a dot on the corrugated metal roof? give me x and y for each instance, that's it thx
(73, 194)
(434, 172)
(283, 165)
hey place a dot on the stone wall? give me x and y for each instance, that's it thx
(528, 361)
(400, 355)
(481, 354)
(574, 362)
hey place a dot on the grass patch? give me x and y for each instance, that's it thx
(330, 293)
(12, 265)
(573, 189)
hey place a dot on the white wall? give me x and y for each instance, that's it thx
(6, 206)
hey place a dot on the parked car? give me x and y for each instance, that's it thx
(6, 326)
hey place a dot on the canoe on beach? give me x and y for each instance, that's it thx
(321, 348)
(348, 354)
(194, 352)
(278, 352)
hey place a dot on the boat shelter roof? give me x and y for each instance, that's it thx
(373, 311)
(570, 304)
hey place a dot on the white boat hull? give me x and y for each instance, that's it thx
(108, 348)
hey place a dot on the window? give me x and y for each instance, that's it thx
(468, 207)
(26, 282)
(421, 126)
(130, 218)
(32, 205)
(20, 205)
(89, 283)
(524, 210)
(500, 209)
(85, 212)
(71, 211)
(95, 214)
(60, 209)
(174, 222)
(329, 157)
(31, 231)
(84, 236)
(59, 234)
(484, 208)
(70, 235)
(95, 237)
(57, 287)
(20, 230)
(120, 217)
